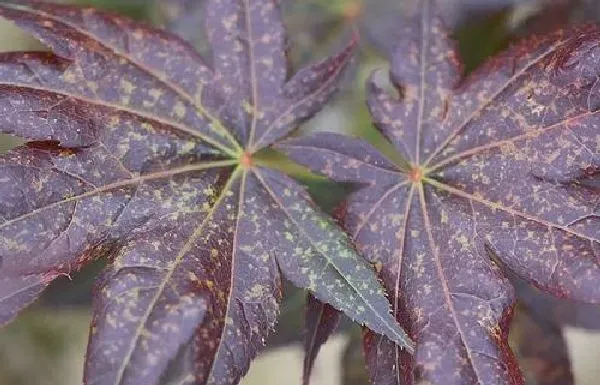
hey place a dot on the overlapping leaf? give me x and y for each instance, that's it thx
(321, 321)
(505, 162)
(136, 144)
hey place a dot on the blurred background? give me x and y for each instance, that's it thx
(556, 341)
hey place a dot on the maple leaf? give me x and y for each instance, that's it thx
(136, 145)
(505, 162)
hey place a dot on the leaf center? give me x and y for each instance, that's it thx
(416, 174)
(246, 160)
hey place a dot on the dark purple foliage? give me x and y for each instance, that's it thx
(502, 165)
(135, 142)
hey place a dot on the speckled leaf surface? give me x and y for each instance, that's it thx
(504, 161)
(140, 152)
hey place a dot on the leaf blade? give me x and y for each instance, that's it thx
(304, 95)
(196, 306)
(248, 54)
(18, 293)
(51, 22)
(358, 292)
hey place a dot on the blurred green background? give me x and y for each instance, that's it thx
(46, 344)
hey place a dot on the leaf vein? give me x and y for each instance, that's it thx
(123, 183)
(492, 98)
(509, 210)
(170, 271)
(160, 77)
(443, 281)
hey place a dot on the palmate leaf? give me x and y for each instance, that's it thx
(135, 145)
(504, 163)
